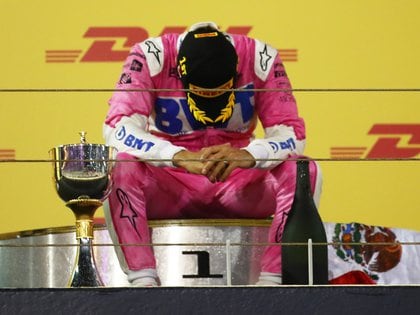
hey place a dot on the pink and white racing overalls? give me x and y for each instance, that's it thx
(149, 119)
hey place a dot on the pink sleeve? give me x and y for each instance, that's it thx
(278, 107)
(135, 76)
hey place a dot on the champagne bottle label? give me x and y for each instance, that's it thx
(303, 223)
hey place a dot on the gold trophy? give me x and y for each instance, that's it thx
(82, 177)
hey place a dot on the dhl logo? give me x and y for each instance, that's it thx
(106, 39)
(394, 141)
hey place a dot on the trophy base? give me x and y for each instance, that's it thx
(85, 273)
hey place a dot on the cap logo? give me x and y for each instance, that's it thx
(182, 66)
(202, 35)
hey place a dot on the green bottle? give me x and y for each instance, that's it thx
(303, 223)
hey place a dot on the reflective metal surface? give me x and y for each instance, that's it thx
(82, 170)
(45, 258)
(85, 273)
(82, 176)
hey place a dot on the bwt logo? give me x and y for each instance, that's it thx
(112, 44)
(133, 142)
(394, 141)
(289, 144)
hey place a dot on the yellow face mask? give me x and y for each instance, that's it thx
(200, 115)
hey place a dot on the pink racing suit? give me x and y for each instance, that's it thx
(149, 119)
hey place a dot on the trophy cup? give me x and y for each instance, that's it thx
(82, 177)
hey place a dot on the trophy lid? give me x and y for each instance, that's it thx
(83, 143)
(83, 136)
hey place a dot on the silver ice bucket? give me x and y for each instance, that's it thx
(188, 253)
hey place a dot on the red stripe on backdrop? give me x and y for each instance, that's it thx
(63, 51)
(7, 154)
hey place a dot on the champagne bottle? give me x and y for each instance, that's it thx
(303, 223)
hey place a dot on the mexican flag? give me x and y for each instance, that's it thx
(366, 254)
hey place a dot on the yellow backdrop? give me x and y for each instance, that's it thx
(325, 44)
